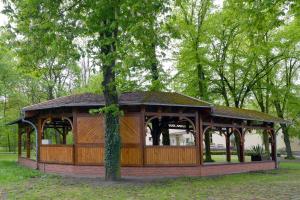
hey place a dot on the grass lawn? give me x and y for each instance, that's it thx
(20, 183)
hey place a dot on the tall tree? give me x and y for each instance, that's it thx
(44, 43)
(284, 84)
(187, 24)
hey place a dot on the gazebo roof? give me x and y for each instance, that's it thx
(230, 112)
(155, 98)
(128, 98)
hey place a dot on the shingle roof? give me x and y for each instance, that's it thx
(230, 112)
(155, 98)
(129, 98)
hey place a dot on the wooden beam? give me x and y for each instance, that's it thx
(170, 114)
(201, 138)
(27, 142)
(197, 135)
(142, 135)
(234, 126)
(242, 144)
(19, 140)
(40, 135)
(75, 132)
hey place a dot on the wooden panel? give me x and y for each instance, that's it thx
(170, 155)
(90, 155)
(131, 156)
(95, 155)
(130, 129)
(56, 154)
(90, 129)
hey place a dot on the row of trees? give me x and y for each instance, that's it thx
(242, 54)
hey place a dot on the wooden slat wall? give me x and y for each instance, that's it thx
(95, 156)
(90, 129)
(91, 155)
(56, 154)
(130, 129)
(90, 140)
(131, 156)
(170, 156)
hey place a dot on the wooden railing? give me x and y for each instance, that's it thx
(94, 155)
(176, 155)
(130, 156)
(90, 154)
(57, 154)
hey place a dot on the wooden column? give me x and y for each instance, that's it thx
(75, 132)
(242, 146)
(228, 153)
(27, 142)
(201, 138)
(197, 135)
(19, 140)
(143, 135)
(39, 139)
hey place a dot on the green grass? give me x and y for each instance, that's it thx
(20, 183)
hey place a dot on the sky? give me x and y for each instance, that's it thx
(3, 18)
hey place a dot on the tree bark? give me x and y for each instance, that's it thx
(165, 131)
(111, 111)
(207, 147)
(237, 140)
(287, 142)
(155, 132)
(155, 85)
(285, 131)
(228, 153)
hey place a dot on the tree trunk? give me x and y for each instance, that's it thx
(237, 140)
(287, 142)
(165, 131)
(112, 130)
(207, 147)
(227, 141)
(111, 110)
(155, 133)
(112, 147)
(155, 84)
(285, 131)
(201, 82)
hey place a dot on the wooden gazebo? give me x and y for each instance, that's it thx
(69, 140)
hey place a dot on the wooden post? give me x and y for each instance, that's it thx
(242, 146)
(27, 142)
(197, 135)
(19, 140)
(39, 139)
(75, 152)
(201, 138)
(143, 135)
(228, 153)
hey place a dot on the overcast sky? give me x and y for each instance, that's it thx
(3, 18)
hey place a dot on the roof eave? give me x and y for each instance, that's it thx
(121, 104)
(249, 118)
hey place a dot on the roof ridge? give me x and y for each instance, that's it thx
(200, 100)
